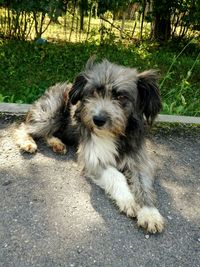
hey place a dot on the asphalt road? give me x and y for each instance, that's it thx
(51, 216)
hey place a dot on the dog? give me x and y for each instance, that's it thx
(104, 112)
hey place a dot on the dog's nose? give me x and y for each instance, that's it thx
(99, 120)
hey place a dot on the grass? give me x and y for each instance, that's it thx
(27, 69)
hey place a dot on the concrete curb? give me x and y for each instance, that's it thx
(178, 119)
(13, 108)
(21, 109)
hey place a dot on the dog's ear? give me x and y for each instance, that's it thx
(149, 101)
(90, 63)
(76, 92)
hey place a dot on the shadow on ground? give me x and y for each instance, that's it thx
(52, 216)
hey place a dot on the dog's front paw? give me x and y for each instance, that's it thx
(56, 144)
(150, 219)
(59, 148)
(130, 208)
(28, 146)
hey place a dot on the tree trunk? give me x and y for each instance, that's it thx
(81, 7)
(134, 27)
(123, 24)
(142, 21)
(162, 28)
(73, 18)
(162, 20)
(89, 22)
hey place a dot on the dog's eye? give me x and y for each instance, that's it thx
(122, 98)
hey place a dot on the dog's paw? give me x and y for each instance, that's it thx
(28, 146)
(57, 145)
(130, 208)
(150, 219)
(59, 148)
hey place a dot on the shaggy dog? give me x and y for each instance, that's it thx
(104, 113)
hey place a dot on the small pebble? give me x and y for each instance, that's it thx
(147, 236)
(79, 251)
(8, 182)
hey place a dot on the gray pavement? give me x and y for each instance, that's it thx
(51, 216)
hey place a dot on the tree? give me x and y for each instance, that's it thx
(168, 14)
(22, 15)
(162, 10)
(83, 6)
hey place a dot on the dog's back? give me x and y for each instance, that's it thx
(44, 116)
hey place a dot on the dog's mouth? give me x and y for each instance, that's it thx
(104, 126)
(102, 123)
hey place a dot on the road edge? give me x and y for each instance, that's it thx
(21, 109)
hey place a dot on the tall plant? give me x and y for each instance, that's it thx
(24, 15)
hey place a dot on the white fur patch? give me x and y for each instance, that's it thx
(150, 219)
(99, 151)
(115, 184)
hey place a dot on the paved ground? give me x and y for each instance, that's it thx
(51, 216)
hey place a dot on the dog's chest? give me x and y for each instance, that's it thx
(98, 151)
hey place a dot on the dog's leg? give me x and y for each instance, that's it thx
(56, 144)
(148, 215)
(24, 139)
(115, 184)
(44, 118)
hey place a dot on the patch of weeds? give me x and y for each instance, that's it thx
(164, 128)
(27, 69)
(183, 98)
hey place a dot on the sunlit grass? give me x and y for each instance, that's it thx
(27, 69)
(63, 30)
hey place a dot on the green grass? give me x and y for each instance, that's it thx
(27, 69)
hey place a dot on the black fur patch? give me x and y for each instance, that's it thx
(130, 143)
(76, 92)
(149, 100)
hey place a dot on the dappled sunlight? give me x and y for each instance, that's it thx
(51, 213)
(184, 199)
(74, 213)
(47, 193)
(177, 160)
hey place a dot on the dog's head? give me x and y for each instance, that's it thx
(108, 95)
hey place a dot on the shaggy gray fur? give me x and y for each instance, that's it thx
(107, 105)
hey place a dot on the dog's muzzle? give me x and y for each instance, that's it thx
(99, 120)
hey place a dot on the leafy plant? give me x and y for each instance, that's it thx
(27, 69)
